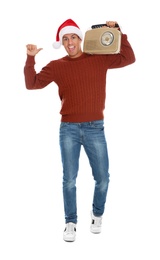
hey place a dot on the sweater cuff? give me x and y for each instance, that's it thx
(30, 60)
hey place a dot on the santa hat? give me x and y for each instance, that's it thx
(69, 26)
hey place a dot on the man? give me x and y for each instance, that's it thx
(81, 79)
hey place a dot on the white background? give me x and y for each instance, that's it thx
(31, 203)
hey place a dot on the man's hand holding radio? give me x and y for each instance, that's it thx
(112, 24)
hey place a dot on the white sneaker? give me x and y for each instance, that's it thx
(95, 224)
(69, 234)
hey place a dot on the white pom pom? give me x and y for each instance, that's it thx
(56, 45)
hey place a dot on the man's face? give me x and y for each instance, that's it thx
(72, 45)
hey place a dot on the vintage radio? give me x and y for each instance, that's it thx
(102, 40)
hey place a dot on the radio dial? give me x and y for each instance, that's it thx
(107, 38)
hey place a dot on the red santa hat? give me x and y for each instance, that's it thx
(69, 26)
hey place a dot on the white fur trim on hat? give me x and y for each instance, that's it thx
(70, 29)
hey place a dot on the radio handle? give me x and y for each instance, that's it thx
(101, 25)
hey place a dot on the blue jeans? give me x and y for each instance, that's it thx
(91, 136)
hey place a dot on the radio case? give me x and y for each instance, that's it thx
(102, 41)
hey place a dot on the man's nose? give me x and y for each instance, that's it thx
(70, 40)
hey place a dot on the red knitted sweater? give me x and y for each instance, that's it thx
(81, 81)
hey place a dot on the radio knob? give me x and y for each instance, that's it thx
(107, 38)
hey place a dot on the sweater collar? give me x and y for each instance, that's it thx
(67, 58)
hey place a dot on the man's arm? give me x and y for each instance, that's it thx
(29, 71)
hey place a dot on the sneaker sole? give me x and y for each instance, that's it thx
(69, 239)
